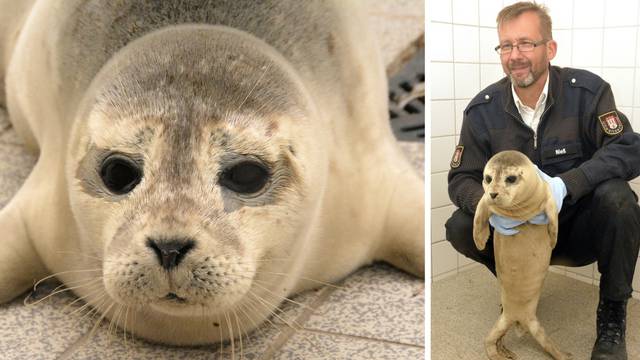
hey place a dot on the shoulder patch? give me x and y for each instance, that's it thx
(610, 122)
(456, 160)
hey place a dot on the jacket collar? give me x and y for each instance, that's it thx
(554, 88)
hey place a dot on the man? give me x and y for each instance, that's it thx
(565, 120)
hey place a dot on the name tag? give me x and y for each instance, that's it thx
(560, 151)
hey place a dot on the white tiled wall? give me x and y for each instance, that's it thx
(597, 35)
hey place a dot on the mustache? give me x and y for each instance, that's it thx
(519, 64)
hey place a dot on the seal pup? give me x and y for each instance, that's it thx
(200, 161)
(513, 188)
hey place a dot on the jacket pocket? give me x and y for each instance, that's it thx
(558, 158)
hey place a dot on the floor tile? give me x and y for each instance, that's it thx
(464, 307)
(307, 345)
(42, 330)
(377, 302)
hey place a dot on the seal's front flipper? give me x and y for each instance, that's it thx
(552, 214)
(481, 224)
(20, 266)
(403, 242)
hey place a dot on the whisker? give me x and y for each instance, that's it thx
(269, 306)
(62, 272)
(239, 331)
(52, 294)
(231, 337)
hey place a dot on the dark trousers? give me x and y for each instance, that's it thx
(603, 226)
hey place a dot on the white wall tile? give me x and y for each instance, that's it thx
(465, 12)
(619, 47)
(636, 277)
(622, 81)
(561, 12)
(587, 47)
(439, 10)
(465, 43)
(586, 270)
(442, 75)
(488, 41)
(636, 94)
(588, 14)
(588, 280)
(443, 118)
(441, 44)
(490, 73)
(443, 258)
(621, 12)
(489, 11)
(441, 151)
(563, 55)
(467, 80)
(460, 106)
(439, 218)
(439, 192)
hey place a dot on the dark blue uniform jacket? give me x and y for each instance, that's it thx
(582, 137)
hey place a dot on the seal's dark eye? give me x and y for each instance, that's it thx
(120, 175)
(247, 177)
(511, 179)
(487, 179)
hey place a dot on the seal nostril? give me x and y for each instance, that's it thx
(170, 252)
(493, 195)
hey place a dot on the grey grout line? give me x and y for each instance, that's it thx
(358, 337)
(286, 334)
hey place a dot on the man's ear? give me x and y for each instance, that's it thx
(552, 49)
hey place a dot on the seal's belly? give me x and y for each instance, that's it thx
(522, 261)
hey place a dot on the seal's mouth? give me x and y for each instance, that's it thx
(174, 298)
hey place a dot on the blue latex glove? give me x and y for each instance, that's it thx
(506, 226)
(557, 186)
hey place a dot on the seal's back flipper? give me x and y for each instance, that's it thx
(403, 242)
(20, 265)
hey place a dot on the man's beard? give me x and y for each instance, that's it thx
(528, 80)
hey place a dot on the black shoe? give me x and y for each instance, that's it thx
(610, 344)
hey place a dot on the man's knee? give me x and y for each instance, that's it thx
(459, 229)
(615, 197)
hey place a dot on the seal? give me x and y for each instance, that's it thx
(514, 189)
(200, 161)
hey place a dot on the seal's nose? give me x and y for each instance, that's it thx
(493, 195)
(170, 252)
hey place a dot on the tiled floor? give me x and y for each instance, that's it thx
(376, 313)
(465, 306)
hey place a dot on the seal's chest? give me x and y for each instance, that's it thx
(525, 252)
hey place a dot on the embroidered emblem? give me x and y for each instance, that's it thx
(610, 122)
(456, 160)
(562, 151)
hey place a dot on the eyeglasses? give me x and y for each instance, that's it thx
(524, 46)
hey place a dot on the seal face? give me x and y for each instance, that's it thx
(202, 161)
(185, 180)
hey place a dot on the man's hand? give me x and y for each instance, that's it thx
(506, 226)
(557, 186)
